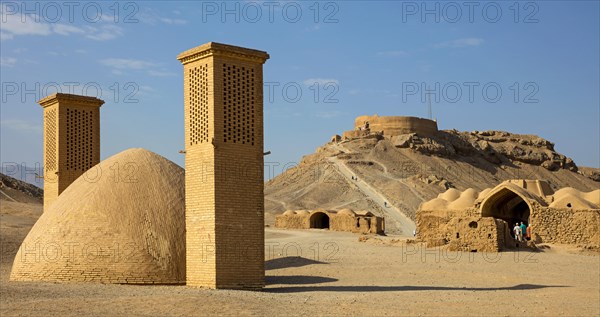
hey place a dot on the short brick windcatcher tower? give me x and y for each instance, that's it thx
(71, 140)
(224, 182)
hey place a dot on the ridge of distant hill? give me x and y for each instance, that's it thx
(13, 189)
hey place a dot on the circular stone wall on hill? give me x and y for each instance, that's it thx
(396, 125)
(121, 222)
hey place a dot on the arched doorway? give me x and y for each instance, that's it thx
(507, 205)
(319, 220)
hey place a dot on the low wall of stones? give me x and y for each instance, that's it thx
(461, 230)
(292, 222)
(358, 224)
(551, 225)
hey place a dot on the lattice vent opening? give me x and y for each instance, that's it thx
(198, 101)
(80, 139)
(239, 104)
(51, 132)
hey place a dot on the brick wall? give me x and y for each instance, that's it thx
(461, 230)
(553, 225)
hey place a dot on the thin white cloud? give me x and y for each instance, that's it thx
(173, 21)
(27, 24)
(53, 53)
(158, 73)
(123, 63)
(8, 61)
(392, 54)
(65, 29)
(320, 81)
(12, 25)
(313, 28)
(120, 65)
(464, 42)
(150, 16)
(110, 18)
(104, 33)
(328, 114)
(6, 36)
(20, 125)
(145, 91)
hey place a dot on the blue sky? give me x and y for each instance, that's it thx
(345, 58)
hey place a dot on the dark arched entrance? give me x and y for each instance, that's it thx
(319, 220)
(506, 205)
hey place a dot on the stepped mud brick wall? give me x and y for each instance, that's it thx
(223, 107)
(71, 140)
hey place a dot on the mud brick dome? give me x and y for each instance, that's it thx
(121, 222)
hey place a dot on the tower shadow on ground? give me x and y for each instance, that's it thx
(344, 288)
(289, 261)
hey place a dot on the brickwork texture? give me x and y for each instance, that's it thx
(223, 93)
(71, 140)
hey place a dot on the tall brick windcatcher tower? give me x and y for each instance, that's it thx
(224, 201)
(71, 140)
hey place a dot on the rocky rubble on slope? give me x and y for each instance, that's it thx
(13, 183)
(497, 147)
(591, 173)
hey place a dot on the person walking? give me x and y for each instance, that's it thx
(517, 230)
(523, 231)
(528, 232)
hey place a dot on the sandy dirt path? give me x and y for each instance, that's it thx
(402, 222)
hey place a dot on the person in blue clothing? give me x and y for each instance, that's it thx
(523, 230)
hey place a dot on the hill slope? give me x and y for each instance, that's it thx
(395, 175)
(14, 190)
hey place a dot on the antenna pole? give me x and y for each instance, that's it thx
(429, 104)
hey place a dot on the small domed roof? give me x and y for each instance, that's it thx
(319, 210)
(365, 213)
(568, 200)
(289, 213)
(435, 204)
(484, 193)
(450, 195)
(347, 212)
(469, 193)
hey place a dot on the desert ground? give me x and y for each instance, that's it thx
(318, 272)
